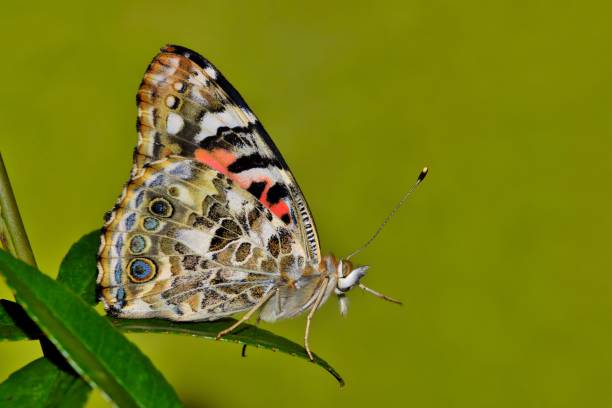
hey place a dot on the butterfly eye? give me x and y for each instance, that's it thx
(347, 267)
(161, 207)
(141, 270)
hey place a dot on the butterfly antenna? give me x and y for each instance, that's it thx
(392, 213)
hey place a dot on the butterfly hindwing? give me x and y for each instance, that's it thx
(184, 242)
(187, 108)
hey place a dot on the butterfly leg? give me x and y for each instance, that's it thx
(313, 309)
(378, 294)
(248, 314)
(244, 346)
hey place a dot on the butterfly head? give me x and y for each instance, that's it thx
(348, 277)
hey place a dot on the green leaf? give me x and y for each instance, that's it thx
(15, 324)
(49, 381)
(78, 268)
(77, 272)
(42, 384)
(53, 379)
(102, 355)
(245, 334)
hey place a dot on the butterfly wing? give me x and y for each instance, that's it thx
(186, 107)
(184, 242)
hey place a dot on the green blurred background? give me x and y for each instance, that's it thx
(502, 257)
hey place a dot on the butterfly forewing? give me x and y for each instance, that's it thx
(187, 108)
(184, 242)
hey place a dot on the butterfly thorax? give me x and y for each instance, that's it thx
(329, 276)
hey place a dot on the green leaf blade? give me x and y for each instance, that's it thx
(42, 384)
(98, 352)
(78, 268)
(245, 334)
(15, 324)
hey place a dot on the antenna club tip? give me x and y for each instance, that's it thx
(423, 174)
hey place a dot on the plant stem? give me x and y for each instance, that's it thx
(16, 238)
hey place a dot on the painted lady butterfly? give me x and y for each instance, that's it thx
(212, 222)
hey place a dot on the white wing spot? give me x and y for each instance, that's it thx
(179, 86)
(174, 123)
(211, 72)
(214, 120)
(170, 101)
(198, 241)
